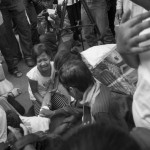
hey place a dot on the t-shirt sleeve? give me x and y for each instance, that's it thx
(32, 74)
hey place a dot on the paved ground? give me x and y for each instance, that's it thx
(21, 83)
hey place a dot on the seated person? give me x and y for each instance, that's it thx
(42, 81)
(94, 96)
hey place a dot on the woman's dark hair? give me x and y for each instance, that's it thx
(63, 56)
(40, 48)
(75, 73)
(99, 137)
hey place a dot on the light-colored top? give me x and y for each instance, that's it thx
(127, 4)
(3, 125)
(97, 97)
(141, 99)
(43, 82)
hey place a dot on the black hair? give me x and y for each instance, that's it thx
(13, 120)
(40, 48)
(98, 137)
(75, 73)
(63, 56)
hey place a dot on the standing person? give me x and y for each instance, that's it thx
(74, 15)
(7, 52)
(32, 15)
(111, 14)
(137, 56)
(15, 10)
(98, 9)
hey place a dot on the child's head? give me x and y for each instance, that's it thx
(43, 57)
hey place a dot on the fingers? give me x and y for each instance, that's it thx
(140, 27)
(137, 50)
(11, 129)
(126, 16)
(138, 39)
(134, 21)
(25, 130)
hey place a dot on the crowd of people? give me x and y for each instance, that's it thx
(71, 109)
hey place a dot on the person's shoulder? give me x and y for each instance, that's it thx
(32, 72)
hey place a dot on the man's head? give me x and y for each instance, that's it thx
(76, 77)
(64, 56)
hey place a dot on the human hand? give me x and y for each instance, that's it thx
(128, 38)
(119, 13)
(16, 132)
(25, 130)
(46, 113)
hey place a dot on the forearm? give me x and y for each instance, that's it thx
(38, 97)
(47, 99)
(132, 60)
(69, 111)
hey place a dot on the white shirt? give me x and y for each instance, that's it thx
(43, 82)
(127, 4)
(141, 99)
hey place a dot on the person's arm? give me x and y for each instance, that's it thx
(132, 60)
(143, 3)
(34, 89)
(128, 38)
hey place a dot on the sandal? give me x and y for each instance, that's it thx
(16, 73)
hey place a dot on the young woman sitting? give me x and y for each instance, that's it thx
(42, 89)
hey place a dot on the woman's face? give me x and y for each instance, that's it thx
(43, 62)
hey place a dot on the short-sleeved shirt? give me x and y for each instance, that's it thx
(43, 82)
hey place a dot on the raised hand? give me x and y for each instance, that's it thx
(128, 38)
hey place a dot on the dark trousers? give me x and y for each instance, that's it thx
(17, 14)
(31, 12)
(111, 15)
(6, 49)
(74, 15)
